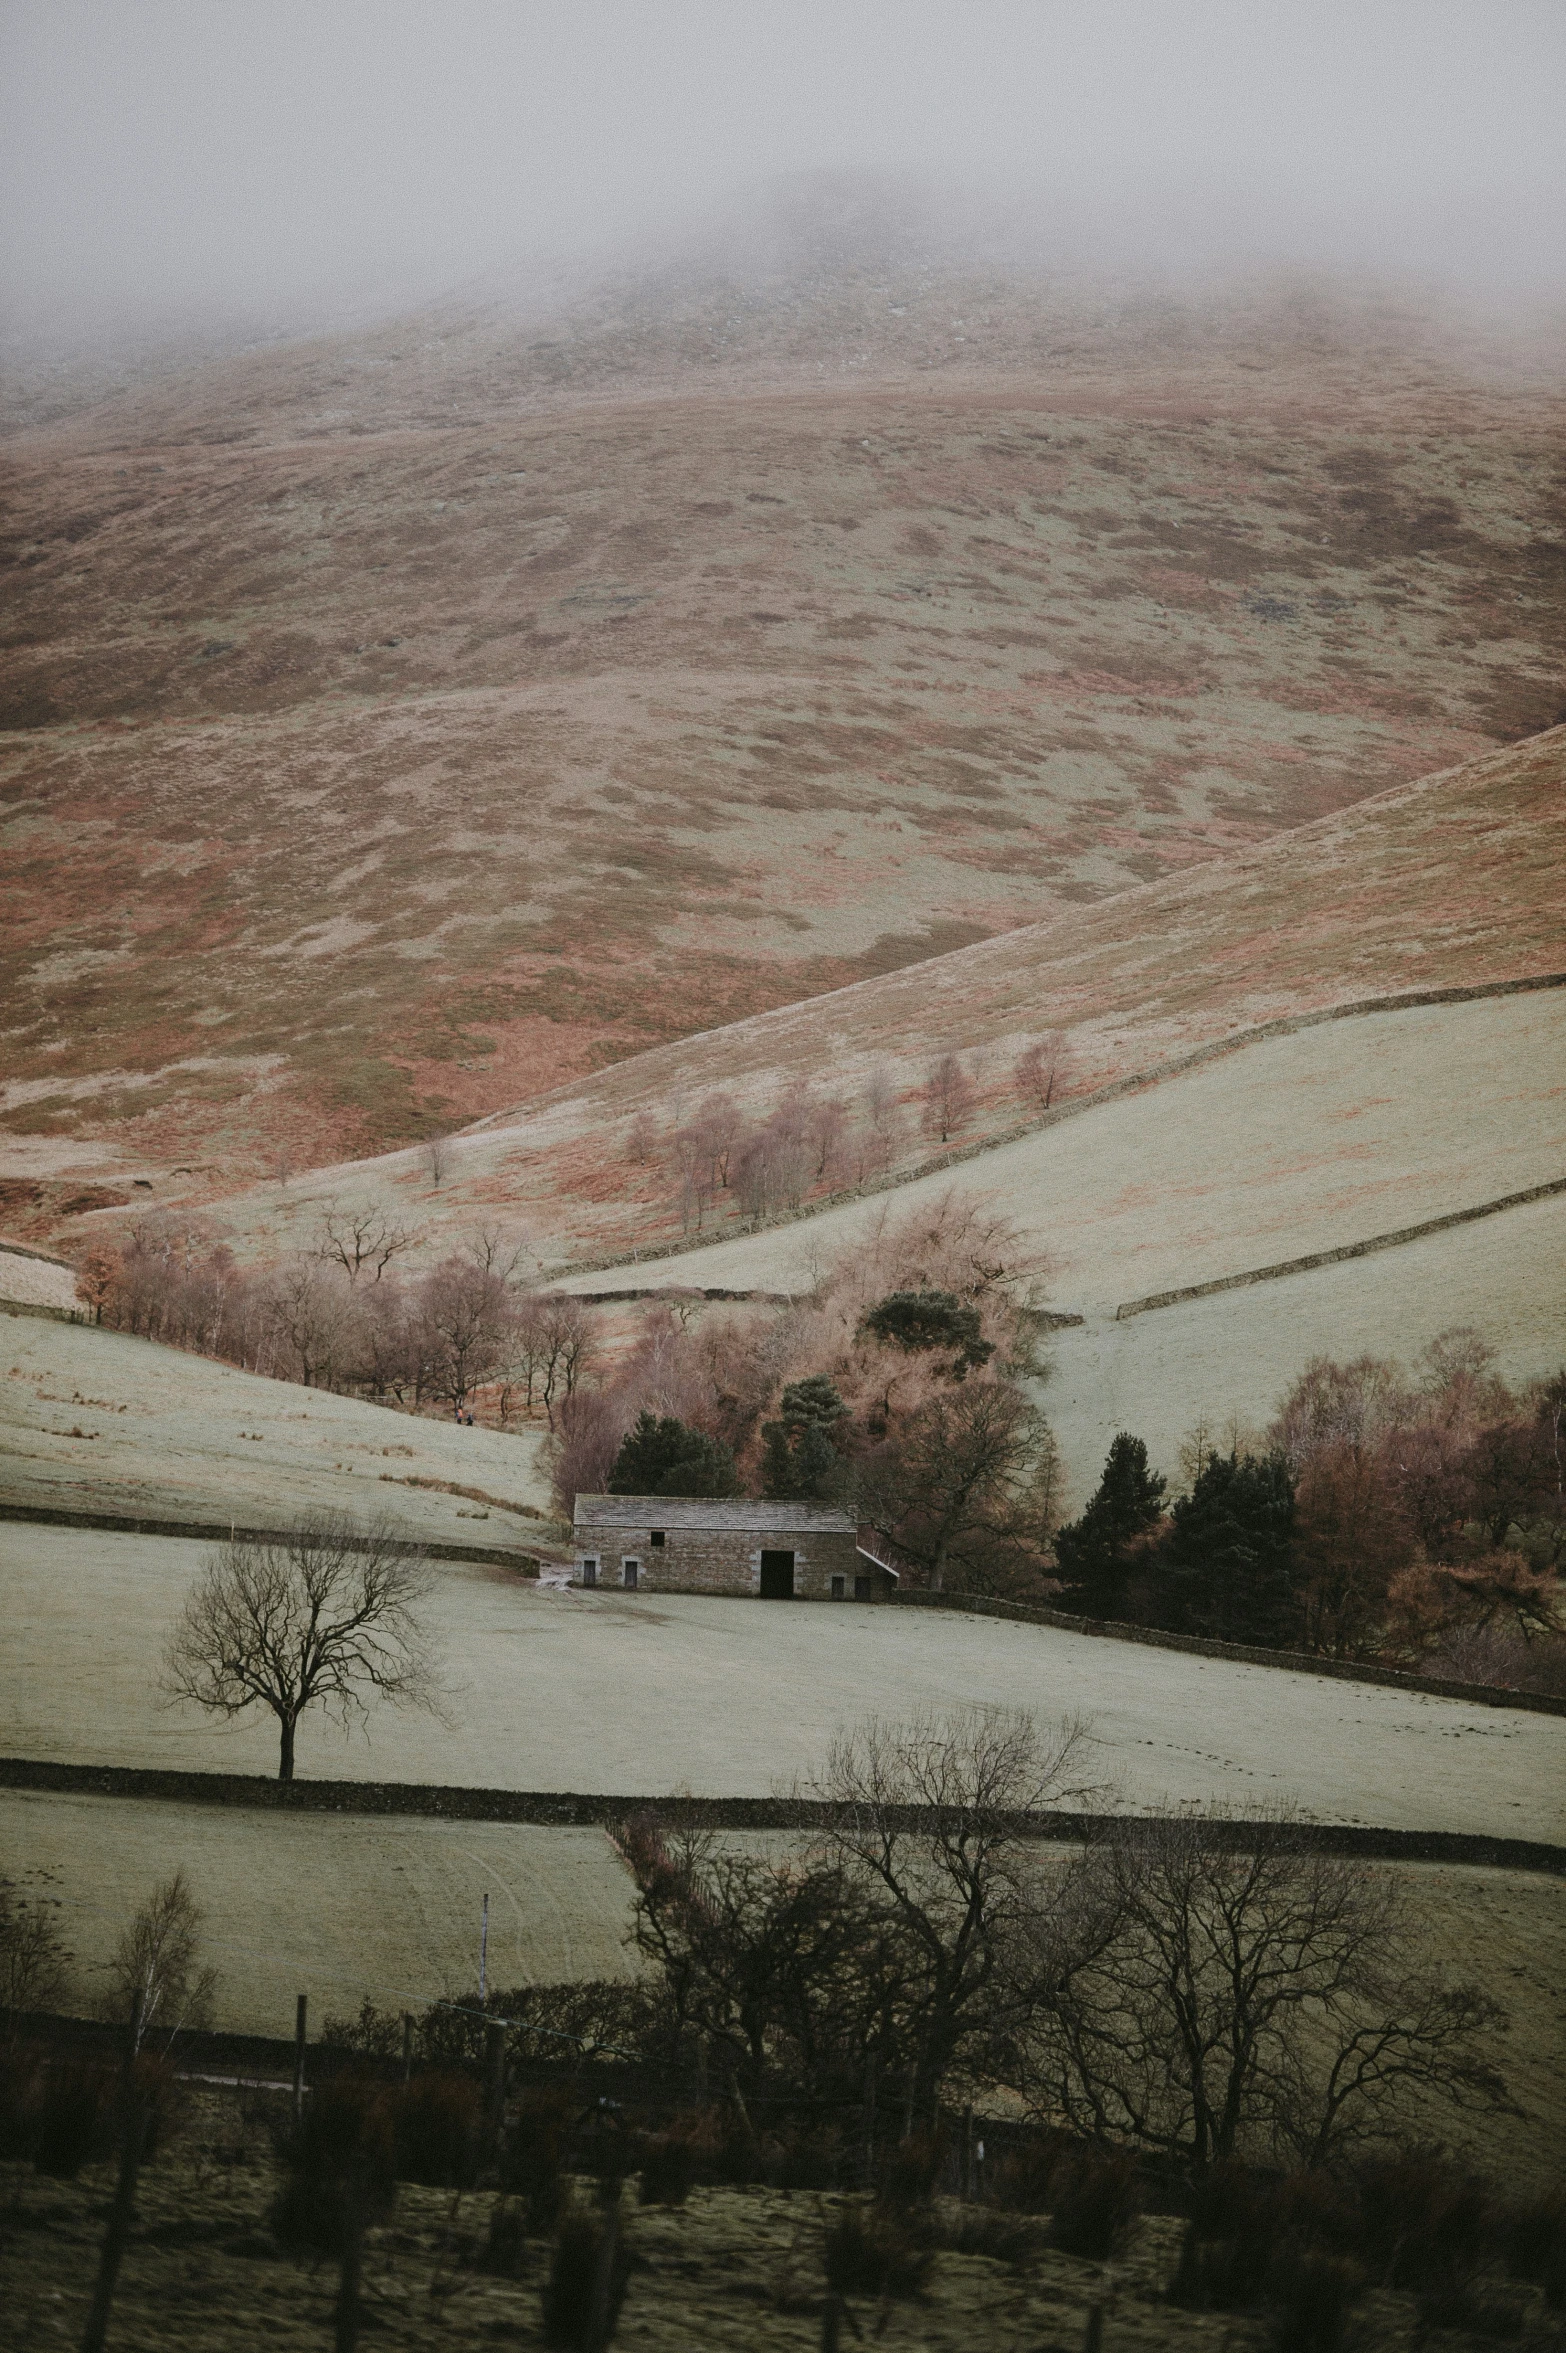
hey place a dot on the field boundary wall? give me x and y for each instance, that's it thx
(1302, 1662)
(1345, 1250)
(574, 1809)
(112, 1523)
(1405, 1001)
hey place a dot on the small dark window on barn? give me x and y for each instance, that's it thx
(589, 1572)
(839, 1587)
(656, 1539)
(861, 1589)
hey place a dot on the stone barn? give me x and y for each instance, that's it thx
(701, 1544)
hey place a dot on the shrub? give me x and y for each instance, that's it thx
(532, 2162)
(437, 2123)
(875, 2250)
(1094, 2196)
(1228, 2243)
(69, 2122)
(909, 2171)
(1022, 2178)
(668, 2168)
(1313, 2293)
(339, 2167)
(1535, 2240)
(20, 2075)
(1421, 2218)
(573, 2275)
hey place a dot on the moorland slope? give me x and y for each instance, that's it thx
(1451, 883)
(404, 723)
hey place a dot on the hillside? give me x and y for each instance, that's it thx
(1450, 883)
(404, 724)
(97, 1421)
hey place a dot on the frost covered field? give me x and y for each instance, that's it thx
(99, 1421)
(1291, 1145)
(338, 1906)
(649, 1695)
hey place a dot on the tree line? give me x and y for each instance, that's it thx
(341, 1315)
(1410, 1517)
(726, 1164)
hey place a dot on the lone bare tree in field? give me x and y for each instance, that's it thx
(327, 1616)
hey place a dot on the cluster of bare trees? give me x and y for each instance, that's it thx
(1184, 1985)
(342, 1315)
(756, 1167)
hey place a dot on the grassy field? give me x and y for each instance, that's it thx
(653, 1694)
(1292, 1145)
(338, 1906)
(1231, 1357)
(95, 1420)
(735, 2270)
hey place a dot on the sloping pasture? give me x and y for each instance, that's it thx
(338, 1906)
(650, 1694)
(94, 1420)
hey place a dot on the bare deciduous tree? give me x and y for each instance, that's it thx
(948, 1098)
(466, 1313)
(1039, 1068)
(327, 1616)
(157, 1976)
(958, 1879)
(435, 1157)
(360, 1237)
(969, 1473)
(35, 1967)
(309, 1313)
(1228, 1990)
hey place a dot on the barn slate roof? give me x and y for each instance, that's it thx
(725, 1513)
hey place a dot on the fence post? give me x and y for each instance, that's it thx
(495, 2087)
(407, 2045)
(870, 2120)
(301, 2013)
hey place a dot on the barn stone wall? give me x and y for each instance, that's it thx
(721, 1560)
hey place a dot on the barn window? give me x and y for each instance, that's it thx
(656, 1539)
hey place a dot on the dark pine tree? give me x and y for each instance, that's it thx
(798, 1457)
(1094, 1554)
(918, 1320)
(1226, 1569)
(662, 1456)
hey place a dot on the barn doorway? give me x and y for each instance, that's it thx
(777, 1576)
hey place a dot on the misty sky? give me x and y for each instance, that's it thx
(162, 153)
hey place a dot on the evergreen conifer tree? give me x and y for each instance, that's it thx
(799, 1458)
(1093, 1554)
(662, 1456)
(1226, 1569)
